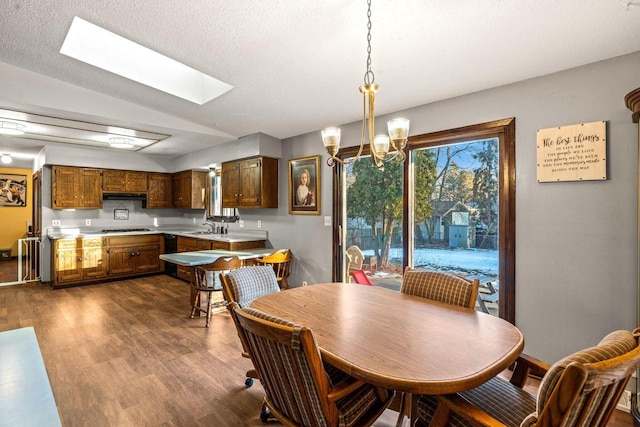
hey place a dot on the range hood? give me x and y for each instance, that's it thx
(124, 196)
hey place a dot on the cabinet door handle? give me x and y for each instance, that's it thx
(79, 259)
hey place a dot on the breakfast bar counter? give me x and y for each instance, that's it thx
(195, 258)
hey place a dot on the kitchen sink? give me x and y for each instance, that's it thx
(201, 232)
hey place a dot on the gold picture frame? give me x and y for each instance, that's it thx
(304, 186)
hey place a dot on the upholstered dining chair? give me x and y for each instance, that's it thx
(205, 281)
(582, 389)
(447, 288)
(244, 285)
(299, 391)
(280, 261)
(440, 286)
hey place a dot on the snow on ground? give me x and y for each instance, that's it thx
(472, 263)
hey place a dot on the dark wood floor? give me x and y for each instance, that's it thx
(125, 353)
(8, 270)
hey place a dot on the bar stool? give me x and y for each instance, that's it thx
(280, 261)
(205, 281)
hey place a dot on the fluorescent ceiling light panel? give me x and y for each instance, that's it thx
(96, 46)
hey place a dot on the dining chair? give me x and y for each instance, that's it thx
(242, 287)
(280, 261)
(440, 286)
(448, 288)
(355, 258)
(582, 389)
(206, 282)
(299, 390)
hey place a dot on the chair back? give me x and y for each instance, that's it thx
(280, 261)
(439, 286)
(205, 277)
(300, 389)
(584, 389)
(246, 284)
(288, 362)
(355, 257)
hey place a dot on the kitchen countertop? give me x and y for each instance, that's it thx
(191, 259)
(178, 230)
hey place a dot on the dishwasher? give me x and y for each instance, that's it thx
(170, 247)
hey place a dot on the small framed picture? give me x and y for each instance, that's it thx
(304, 186)
(13, 190)
(121, 214)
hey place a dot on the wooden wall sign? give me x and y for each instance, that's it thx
(572, 153)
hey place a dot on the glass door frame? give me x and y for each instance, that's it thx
(504, 131)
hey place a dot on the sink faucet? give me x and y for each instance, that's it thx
(212, 226)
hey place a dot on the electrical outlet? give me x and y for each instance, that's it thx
(241, 223)
(55, 223)
(194, 220)
(87, 222)
(259, 224)
(327, 221)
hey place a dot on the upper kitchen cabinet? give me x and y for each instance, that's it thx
(189, 189)
(75, 188)
(159, 192)
(124, 181)
(250, 183)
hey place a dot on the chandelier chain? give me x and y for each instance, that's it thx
(369, 77)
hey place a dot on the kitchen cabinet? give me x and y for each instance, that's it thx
(75, 188)
(124, 181)
(85, 260)
(250, 183)
(159, 190)
(189, 188)
(134, 255)
(78, 260)
(191, 244)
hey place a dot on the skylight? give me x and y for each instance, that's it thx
(96, 46)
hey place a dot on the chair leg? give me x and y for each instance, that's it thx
(195, 304)
(208, 309)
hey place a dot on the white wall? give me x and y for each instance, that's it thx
(576, 250)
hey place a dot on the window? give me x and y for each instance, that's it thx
(450, 206)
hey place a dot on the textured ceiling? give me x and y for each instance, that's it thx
(296, 64)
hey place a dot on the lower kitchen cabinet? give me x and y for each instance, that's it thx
(86, 260)
(133, 255)
(190, 244)
(79, 260)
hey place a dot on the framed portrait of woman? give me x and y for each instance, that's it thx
(304, 186)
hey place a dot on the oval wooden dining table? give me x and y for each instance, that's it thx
(399, 341)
